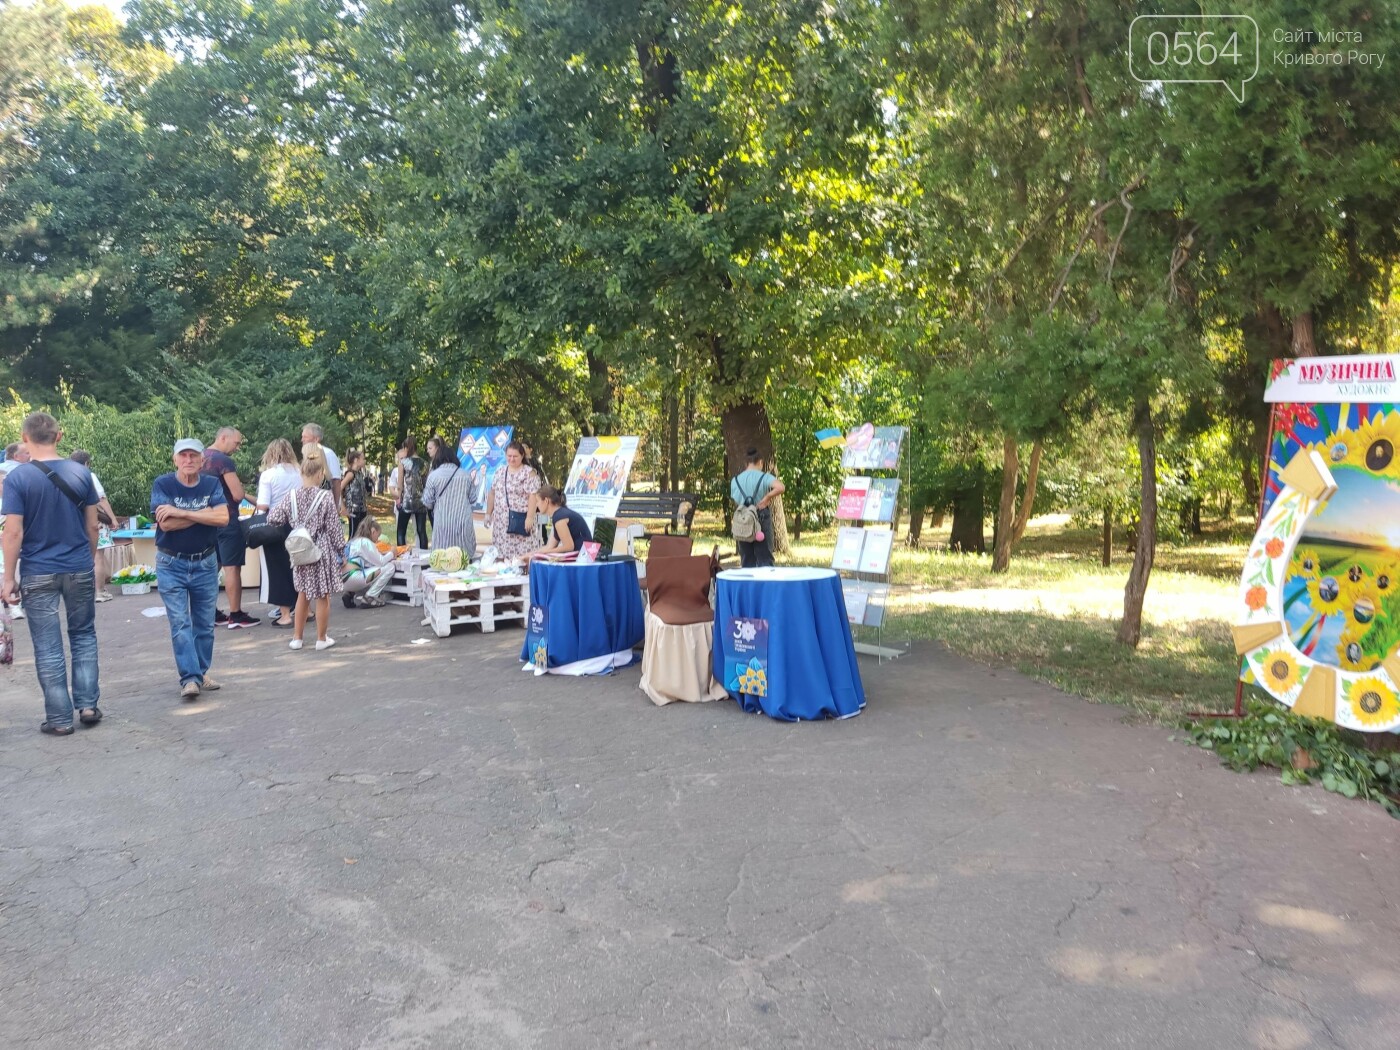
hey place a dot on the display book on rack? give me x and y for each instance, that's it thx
(867, 501)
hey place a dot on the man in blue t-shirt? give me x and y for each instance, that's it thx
(50, 508)
(189, 508)
(755, 487)
(218, 463)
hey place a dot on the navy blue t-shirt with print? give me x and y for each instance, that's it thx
(579, 531)
(205, 493)
(216, 465)
(55, 531)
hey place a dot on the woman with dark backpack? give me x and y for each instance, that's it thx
(753, 490)
(413, 475)
(354, 495)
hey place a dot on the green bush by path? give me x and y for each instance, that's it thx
(131, 449)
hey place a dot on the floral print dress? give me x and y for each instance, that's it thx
(320, 578)
(513, 492)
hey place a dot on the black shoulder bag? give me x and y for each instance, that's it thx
(515, 519)
(61, 483)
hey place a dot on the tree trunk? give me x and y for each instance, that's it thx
(1107, 537)
(688, 428)
(1252, 492)
(746, 426)
(969, 519)
(1130, 630)
(600, 395)
(781, 544)
(671, 480)
(1304, 338)
(916, 523)
(1006, 508)
(405, 414)
(1012, 518)
(1027, 507)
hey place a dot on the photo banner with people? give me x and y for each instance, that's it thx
(480, 451)
(598, 475)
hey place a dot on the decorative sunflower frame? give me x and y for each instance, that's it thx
(1357, 700)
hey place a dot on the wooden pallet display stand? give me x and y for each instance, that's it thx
(407, 585)
(449, 601)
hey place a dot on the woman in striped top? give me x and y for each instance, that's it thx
(450, 494)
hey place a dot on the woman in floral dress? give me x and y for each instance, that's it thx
(313, 507)
(514, 489)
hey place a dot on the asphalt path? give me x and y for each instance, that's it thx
(400, 845)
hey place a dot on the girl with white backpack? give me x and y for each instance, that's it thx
(314, 547)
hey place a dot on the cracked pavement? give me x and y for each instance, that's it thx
(399, 846)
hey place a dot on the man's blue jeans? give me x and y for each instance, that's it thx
(41, 594)
(190, 590)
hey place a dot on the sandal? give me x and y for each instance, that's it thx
(279, 623)
(57, 730)
(90, 716)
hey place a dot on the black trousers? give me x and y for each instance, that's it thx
(420, 523)
(759, 552)
(280, 588)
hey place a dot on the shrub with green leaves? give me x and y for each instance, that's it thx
(1305, 750)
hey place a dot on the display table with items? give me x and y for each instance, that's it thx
(142, 551)
(782, 643)
(142, 543)
(452, 599)
(120, 555)
(583, 619)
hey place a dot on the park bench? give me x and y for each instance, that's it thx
(677, 509)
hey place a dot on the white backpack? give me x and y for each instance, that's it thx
(301, 545)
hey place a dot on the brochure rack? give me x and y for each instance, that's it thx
(867, 511)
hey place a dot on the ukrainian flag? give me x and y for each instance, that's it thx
(831, 438)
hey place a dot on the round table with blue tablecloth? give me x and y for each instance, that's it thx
(583, 619)
(783, 644)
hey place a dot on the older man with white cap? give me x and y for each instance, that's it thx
(188, 508)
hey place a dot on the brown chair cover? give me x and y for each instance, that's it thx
(679, 589)
(669, 547)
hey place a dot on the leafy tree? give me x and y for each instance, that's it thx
(71, 157)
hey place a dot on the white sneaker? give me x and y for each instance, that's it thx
(324, 643)
(209, 684)
(295, 643)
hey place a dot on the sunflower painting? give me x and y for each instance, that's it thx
(1372, 702)
(1325, 561)
(1341, 592)
(1278, 668)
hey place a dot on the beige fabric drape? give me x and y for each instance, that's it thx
(676, 663)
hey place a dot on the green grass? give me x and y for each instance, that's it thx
(1054, 614)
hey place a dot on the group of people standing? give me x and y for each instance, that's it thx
(439, 497)
(51, 508)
